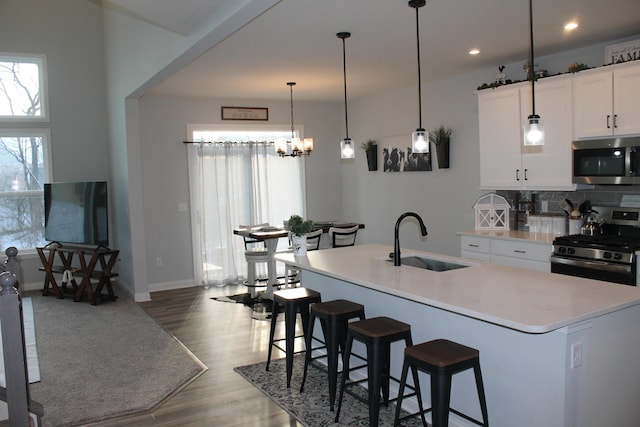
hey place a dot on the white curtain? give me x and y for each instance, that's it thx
(232, 184)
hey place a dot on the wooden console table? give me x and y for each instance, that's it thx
(92, 264)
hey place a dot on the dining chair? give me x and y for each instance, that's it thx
(343, 236)
(248, 241)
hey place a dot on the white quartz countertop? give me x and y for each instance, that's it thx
(524, 300)
(516, 235)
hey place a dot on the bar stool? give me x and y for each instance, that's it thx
(292, 301)
(254, 256)
(334, 317)
(377, 334)
(441, 359)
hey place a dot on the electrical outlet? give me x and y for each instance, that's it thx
(576, 355)
(545, 206)
(158, 262)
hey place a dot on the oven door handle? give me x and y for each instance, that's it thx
(599, 265)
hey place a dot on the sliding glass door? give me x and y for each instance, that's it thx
(236, 178)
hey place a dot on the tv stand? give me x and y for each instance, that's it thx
(87, 263)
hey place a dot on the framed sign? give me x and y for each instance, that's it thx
(245, 113)
(622, 52)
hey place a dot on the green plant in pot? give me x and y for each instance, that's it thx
(299, 228)
(441, 138)
(371, 149)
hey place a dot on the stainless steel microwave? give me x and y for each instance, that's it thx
(607, 161)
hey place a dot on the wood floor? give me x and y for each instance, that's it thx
(222, 335)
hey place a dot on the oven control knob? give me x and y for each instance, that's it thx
(571, 251)
(562, 250)
(617, 257)
(607, 255)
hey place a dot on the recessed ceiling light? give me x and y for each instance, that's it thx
(571, 26)
(474, 51)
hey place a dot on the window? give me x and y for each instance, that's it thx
(23, 88)
(24, 152)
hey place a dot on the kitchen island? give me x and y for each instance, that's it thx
(555, 350)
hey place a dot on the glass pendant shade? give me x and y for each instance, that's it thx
(296, 144)
(346, 149)
(308, 144)
(281, 146)
(533, 131)
(419, 141)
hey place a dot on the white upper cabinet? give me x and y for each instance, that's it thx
(505, 163)
(499, 124)
(606, 102)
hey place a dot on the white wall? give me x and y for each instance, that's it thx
(69, 33)
(443, 197)
(165, 183)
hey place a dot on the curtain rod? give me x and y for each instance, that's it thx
(228, 142)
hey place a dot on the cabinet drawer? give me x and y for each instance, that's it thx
(476, 244)
(530, 251)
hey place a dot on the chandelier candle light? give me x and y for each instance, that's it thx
(346, 145)
(298, 147)
(533, 132)
(419, 140)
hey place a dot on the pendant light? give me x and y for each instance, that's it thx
(533, 132)
(419, 139)
(347, 150)
(298, 147)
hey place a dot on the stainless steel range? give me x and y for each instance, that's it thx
(610, 254)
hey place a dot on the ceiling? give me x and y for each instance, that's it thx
(295, 40)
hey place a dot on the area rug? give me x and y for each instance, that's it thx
(105, 361)
(260, 308)
(311, 407)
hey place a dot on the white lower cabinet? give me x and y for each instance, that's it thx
(515, 253)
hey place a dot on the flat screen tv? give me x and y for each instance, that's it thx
(76, 213)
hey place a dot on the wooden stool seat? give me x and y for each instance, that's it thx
(334, 317)
(377, 334)
(291, 301)
(441, 359)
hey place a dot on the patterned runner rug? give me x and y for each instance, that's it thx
(311, 407)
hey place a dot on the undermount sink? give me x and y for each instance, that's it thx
(429, 263)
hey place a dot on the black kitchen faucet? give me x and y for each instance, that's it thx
(396, 244)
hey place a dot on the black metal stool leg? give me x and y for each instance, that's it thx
(290, 333)
(272, 330)
(307, 357)
(345, 368)
(440, 397)
(480, 387)
(403, 381)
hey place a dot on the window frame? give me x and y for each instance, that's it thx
(41, 61)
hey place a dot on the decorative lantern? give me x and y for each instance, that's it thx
(492, 212)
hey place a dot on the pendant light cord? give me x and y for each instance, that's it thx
(419, 70)
(531, 66)
(291, 97)
(344, 69)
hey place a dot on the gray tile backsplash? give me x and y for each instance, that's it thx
(600, 195)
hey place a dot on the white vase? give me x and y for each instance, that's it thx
(299, 245)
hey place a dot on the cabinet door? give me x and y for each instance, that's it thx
(593, 104)
(548, 167)
(626, 101)
(499, 125)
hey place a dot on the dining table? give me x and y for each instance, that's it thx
(270, 236)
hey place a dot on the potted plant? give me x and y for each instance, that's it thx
(299, 228)
(371, 149)
(441, 138)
